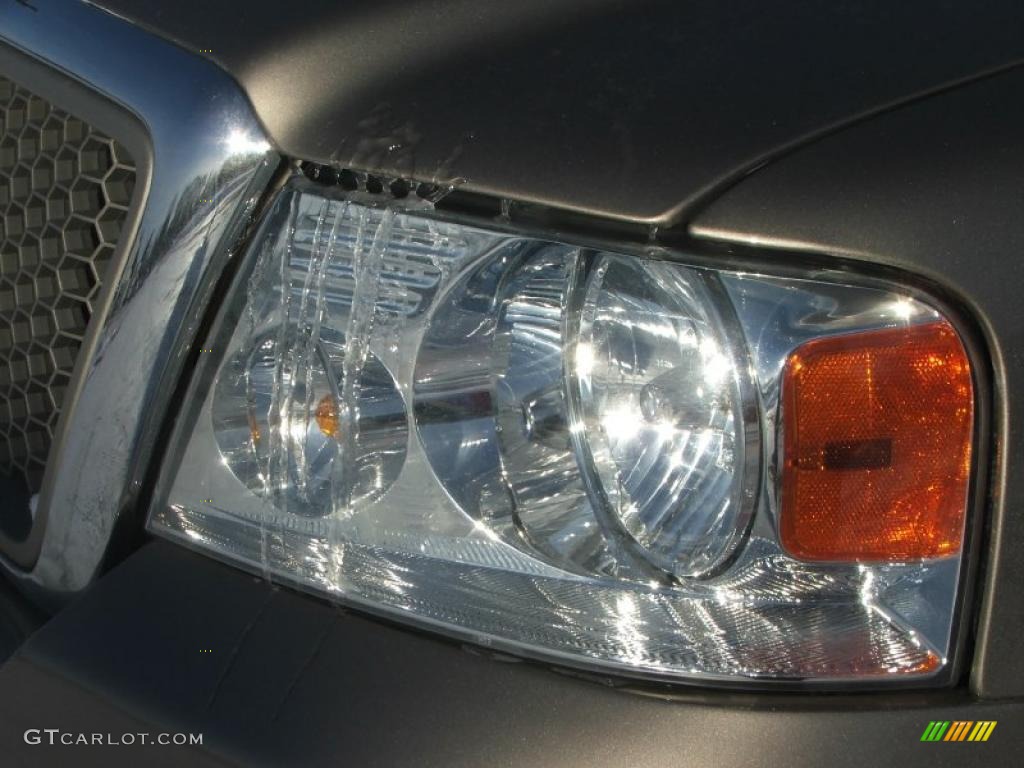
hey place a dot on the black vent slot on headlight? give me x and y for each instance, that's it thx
(65, 190)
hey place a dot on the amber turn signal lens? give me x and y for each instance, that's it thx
(327, 417)
(876, 445)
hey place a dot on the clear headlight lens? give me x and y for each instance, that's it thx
(669, 413)
(576, 454)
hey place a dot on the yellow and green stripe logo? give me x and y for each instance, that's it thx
(958, 730)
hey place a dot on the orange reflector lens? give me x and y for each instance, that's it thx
(876, 445)
(254, 430)
(327, 417)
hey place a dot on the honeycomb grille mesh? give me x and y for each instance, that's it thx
(65, 189)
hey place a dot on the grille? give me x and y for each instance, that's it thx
(64, 195)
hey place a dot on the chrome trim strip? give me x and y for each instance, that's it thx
(210, 162)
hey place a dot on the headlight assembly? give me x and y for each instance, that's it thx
(603, 459)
